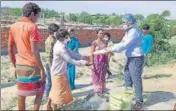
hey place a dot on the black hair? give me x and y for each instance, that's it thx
(29, 8)
(100, 29)
(108, 35)
(53, 28)
(72, 30)
(61, 33)
(146, 27)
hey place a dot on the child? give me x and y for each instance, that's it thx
(148, 41)
(60, 91)
(107, 38)
(49, 43)
(147, 45)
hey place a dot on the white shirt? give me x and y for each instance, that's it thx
(61, 56)
(131, 42)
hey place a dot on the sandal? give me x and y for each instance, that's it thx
(138, 106)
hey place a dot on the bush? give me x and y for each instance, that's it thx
(160, 32)
(162, 52)
(162, 57)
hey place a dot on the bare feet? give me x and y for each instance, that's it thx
(49, 108)
(54, 107)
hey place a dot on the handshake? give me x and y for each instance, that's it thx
(103, 51)
(88, 60)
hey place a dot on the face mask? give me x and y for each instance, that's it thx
(125, 27)
(54, 34)
(66, 40)
(72, 35)
(106, 39)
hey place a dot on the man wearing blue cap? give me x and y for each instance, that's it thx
(132, 43)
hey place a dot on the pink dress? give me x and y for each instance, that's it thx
(100, 63)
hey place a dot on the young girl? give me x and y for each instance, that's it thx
(100, 63)
(60, 91)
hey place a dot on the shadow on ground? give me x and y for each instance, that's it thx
(158, 97)
(7, 85)
(88, 92)
(157, 76)
(83, 93)
(113, 76)
(79, 86)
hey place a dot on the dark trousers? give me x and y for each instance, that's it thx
(132, 75)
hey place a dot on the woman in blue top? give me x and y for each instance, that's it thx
(74, 46)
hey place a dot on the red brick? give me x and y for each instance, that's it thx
(84, 36)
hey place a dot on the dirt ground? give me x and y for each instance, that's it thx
(159, 88)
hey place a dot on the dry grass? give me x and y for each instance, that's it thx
(162, 78)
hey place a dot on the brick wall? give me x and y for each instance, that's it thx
(85, 36)
(4, 37)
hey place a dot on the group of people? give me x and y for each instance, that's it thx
(56, 78)
(138, 45)
(62, 56)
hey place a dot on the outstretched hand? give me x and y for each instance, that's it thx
(87, 58)
(104, 51)
(88, 63)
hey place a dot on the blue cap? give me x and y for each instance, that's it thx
(129, 18)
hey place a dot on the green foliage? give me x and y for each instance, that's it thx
(97, 19)
(73, 17)
(116, 20)
(11, 12)
(172, 25)
(160, 28)
(166, 13)
(85, 18)
(139, 17)
(49, 13)
(16, 11)
(163, 57)
(160, 31)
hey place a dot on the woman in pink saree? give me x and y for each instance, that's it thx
(100, 63)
